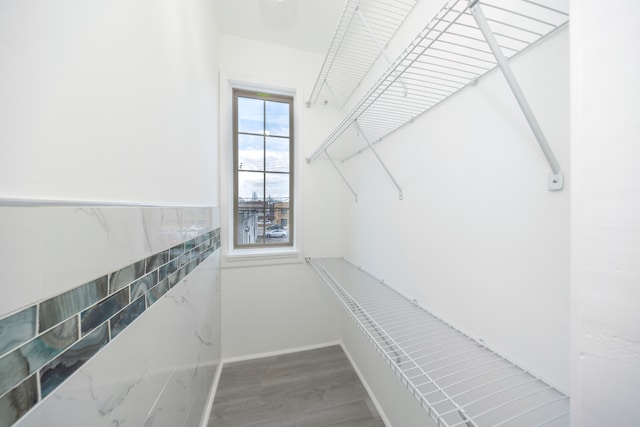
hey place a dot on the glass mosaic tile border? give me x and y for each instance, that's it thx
(43, 344)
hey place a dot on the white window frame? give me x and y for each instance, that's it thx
(242, 257)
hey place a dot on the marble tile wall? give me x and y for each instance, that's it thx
(139, 343)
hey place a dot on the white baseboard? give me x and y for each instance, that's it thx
(212, 394)
(280, 352)
(363, 380)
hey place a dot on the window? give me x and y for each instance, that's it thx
(263, 169)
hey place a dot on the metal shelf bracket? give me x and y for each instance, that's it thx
(380, 48)
(355, 195)
(556, 179)
(377, 156)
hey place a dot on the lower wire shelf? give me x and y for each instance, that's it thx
(456, 379)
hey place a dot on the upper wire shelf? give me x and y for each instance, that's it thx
(363, 32)
(452, 52)
(457, 380)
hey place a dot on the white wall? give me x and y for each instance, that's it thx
(115, 92)
(280, 307)
(605, 213)
(111, 102)
(270, 309)
(478, 238)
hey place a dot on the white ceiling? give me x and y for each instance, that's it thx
(301, 24)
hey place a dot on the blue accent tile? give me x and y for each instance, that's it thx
(155, 261)
(48, 345)
(205, 255)
(94, 316)
(143, 284)
(197, 251)
(126, 316)
(189, 244)
(168, 269)
(157, 291)
(206, 245)
(60, 368)
(176, 251)
(175, 278)
(17, 329)
(16, 366)
(216, 238)
(18, 401)
(126, 275)
(198, 240)
(190, 267)
(183, 260)
(57, 309)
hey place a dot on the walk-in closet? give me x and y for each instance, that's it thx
(364, 213)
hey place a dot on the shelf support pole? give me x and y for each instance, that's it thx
(380, 48)
(326, 153)
(384, 166)
(556, 179)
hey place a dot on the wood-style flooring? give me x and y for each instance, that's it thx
(310, 388)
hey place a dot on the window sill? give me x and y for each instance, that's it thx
(258, 257)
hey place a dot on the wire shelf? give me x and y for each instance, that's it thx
(457, 380)
(364, 29)
(449, 54)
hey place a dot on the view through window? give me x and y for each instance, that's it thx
(263, 169)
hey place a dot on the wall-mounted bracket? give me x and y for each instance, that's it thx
(380, 48)
(556, 180)
(384, 166)
(355, 195)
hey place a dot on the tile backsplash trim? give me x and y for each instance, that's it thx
(43, 344)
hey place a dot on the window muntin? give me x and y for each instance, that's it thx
(263, 169)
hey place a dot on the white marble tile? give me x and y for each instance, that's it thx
(171, 408)
(83, 400)
(20, 253)
(82, 243)
(110, 389)
(200, 384)
(117, 387)
(55, 248)
(190, 314)
(159, 369)
(168, 338)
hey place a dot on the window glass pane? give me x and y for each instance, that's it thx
(250, 152)
(277, 186)
(247, 226)
(277, 118)
(263, 168)
(277, 154)
(278, 231)
(251, 207)
(250, 115)
(277, 208)
(250, 187)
